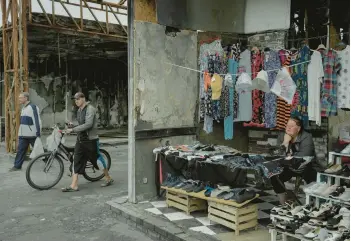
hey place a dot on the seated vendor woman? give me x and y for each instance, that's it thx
(297, 143)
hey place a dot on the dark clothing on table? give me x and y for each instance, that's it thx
(302, 147)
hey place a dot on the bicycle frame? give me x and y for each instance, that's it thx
(57, 152)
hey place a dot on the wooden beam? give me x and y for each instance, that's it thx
(25, 46)
(118, 21)
(15, 75)
(7, 12)
(6, 74)
(92, 13)
(81, 14)
(78, 32)
(46, 15)
(107, 27)
(69, 14)
(104, 3)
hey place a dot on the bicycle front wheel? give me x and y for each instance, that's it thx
(44, 171)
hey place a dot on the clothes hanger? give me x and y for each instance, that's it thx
(321, 46)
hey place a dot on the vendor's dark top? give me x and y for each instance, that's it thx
(303, 146)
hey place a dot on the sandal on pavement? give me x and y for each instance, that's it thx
(107, 183)
(69, 189)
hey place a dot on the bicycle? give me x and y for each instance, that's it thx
(63, 153)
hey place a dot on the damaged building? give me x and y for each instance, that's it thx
(65, 54)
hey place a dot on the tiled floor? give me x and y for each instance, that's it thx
(198, 221)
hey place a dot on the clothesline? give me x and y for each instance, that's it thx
(199, 71)
(294, 39)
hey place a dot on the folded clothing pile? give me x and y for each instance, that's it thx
(238, 195)
(323, 189)
(327, 223)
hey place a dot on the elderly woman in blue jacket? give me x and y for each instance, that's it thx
(29, 129)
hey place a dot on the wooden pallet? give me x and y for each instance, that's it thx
(185, 202)
(234, 218)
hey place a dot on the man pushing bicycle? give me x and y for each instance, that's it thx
(87, 145)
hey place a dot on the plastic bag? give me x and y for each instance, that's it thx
(284, 86)
(53, 141)
(38, 148)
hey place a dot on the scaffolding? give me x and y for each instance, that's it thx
(17, 16)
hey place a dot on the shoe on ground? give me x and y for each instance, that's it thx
(345, 196)
(329, 190)
(338, 191)
(15, 169)
(107, 183)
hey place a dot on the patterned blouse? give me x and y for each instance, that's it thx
(299, 75)
(331, 66)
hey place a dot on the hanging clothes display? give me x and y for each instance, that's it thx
(228, 120)
(332, 66)
(299, 75)
(244, 93)
(207, 50)
(271, 62)
(243, 87)
(315, 79)
(257, 95)
(216, 86)
(232, 69)
(208, 119)
(283, 108)
(343, 79)
(224, 100)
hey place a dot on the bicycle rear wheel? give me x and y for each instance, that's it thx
(93, 175)
(40, 167)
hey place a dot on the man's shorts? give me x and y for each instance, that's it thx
(84, 151)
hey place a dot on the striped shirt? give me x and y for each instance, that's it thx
(283, 108)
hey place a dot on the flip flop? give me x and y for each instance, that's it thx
(69, 189)
(107, 183)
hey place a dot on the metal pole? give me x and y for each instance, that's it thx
(131, 117)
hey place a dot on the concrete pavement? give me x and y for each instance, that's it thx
(30, 215)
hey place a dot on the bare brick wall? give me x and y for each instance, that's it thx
(261, 140)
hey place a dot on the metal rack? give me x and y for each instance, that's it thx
(333, 158)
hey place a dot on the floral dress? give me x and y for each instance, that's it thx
(271, 62)
(257, 95)
(299, 75)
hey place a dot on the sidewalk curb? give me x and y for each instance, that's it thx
(155, 228)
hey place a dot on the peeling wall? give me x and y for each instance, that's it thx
(166, 95)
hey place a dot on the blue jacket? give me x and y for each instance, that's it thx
(30, 122)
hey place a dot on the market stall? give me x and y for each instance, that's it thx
(259, 88)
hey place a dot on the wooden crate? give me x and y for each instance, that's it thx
(185, 202)
(234, 218)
